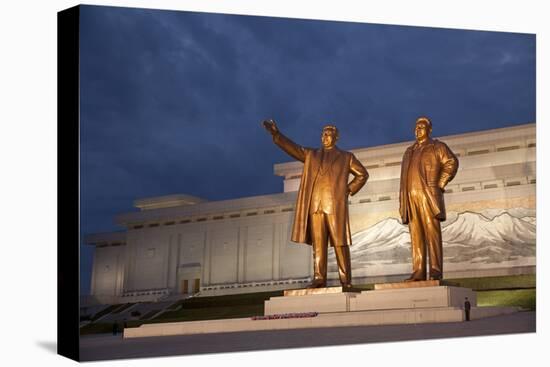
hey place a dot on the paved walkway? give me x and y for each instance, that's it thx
(99, 347)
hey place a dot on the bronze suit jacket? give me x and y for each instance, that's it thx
(438, 167)
(343, 164)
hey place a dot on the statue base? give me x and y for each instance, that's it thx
(414, 284)
(389, 296)
(327, 290)
(330, 299)
(412, 295)
(330, 307)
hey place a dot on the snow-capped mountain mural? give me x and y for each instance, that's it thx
(489, 237)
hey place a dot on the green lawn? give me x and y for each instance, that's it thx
(149, 314)
(211, 313)
(123, 307)
(217, 307)
(494, 283)
(525, 298)
(105, 312)
(518, 290)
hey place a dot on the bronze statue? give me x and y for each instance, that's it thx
(322, 203)
(427, 166)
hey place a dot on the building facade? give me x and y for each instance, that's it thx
(181, 244)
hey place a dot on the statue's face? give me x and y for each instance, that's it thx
(328, 138)
(422, 131)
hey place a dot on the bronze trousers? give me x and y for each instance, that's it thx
(321, 230)
(425, 237)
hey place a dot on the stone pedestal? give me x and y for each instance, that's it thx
(388, 304)
(412, 297)
(323, 320)
(330, 299)
(415, 284)
(389, 296)
(327, 290)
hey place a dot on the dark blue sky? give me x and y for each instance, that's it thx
(171, 101)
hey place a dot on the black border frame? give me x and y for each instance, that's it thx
(68, 192)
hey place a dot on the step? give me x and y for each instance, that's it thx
(321, 320)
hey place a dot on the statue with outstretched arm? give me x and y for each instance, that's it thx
(321, 214)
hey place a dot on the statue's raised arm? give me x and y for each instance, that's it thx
(321, 204)
(271, 126)
(296, 151)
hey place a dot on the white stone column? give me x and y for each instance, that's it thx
(133, 285)
(117, 277)
(177, 286)
(170, 262)
(164, 243)
(276, 248)
(126, 263)
(173, 261)
(207, 260)
(130, 260)
(241, 251)
(120, 272)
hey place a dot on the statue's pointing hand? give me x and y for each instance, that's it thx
(271, 126)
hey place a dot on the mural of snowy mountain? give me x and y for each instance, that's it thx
(491, 236)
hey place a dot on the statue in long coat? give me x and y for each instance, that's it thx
(427, 167)
(322, 202)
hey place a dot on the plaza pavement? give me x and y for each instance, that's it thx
(105, 346)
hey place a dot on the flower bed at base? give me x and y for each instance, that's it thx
(297, 315)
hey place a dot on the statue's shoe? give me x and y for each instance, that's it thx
(346, 287)
(413, 278)
(317, 284)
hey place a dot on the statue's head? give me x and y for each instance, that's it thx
(329, 136)
(423, 128)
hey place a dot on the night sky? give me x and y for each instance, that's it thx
(172, 101)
